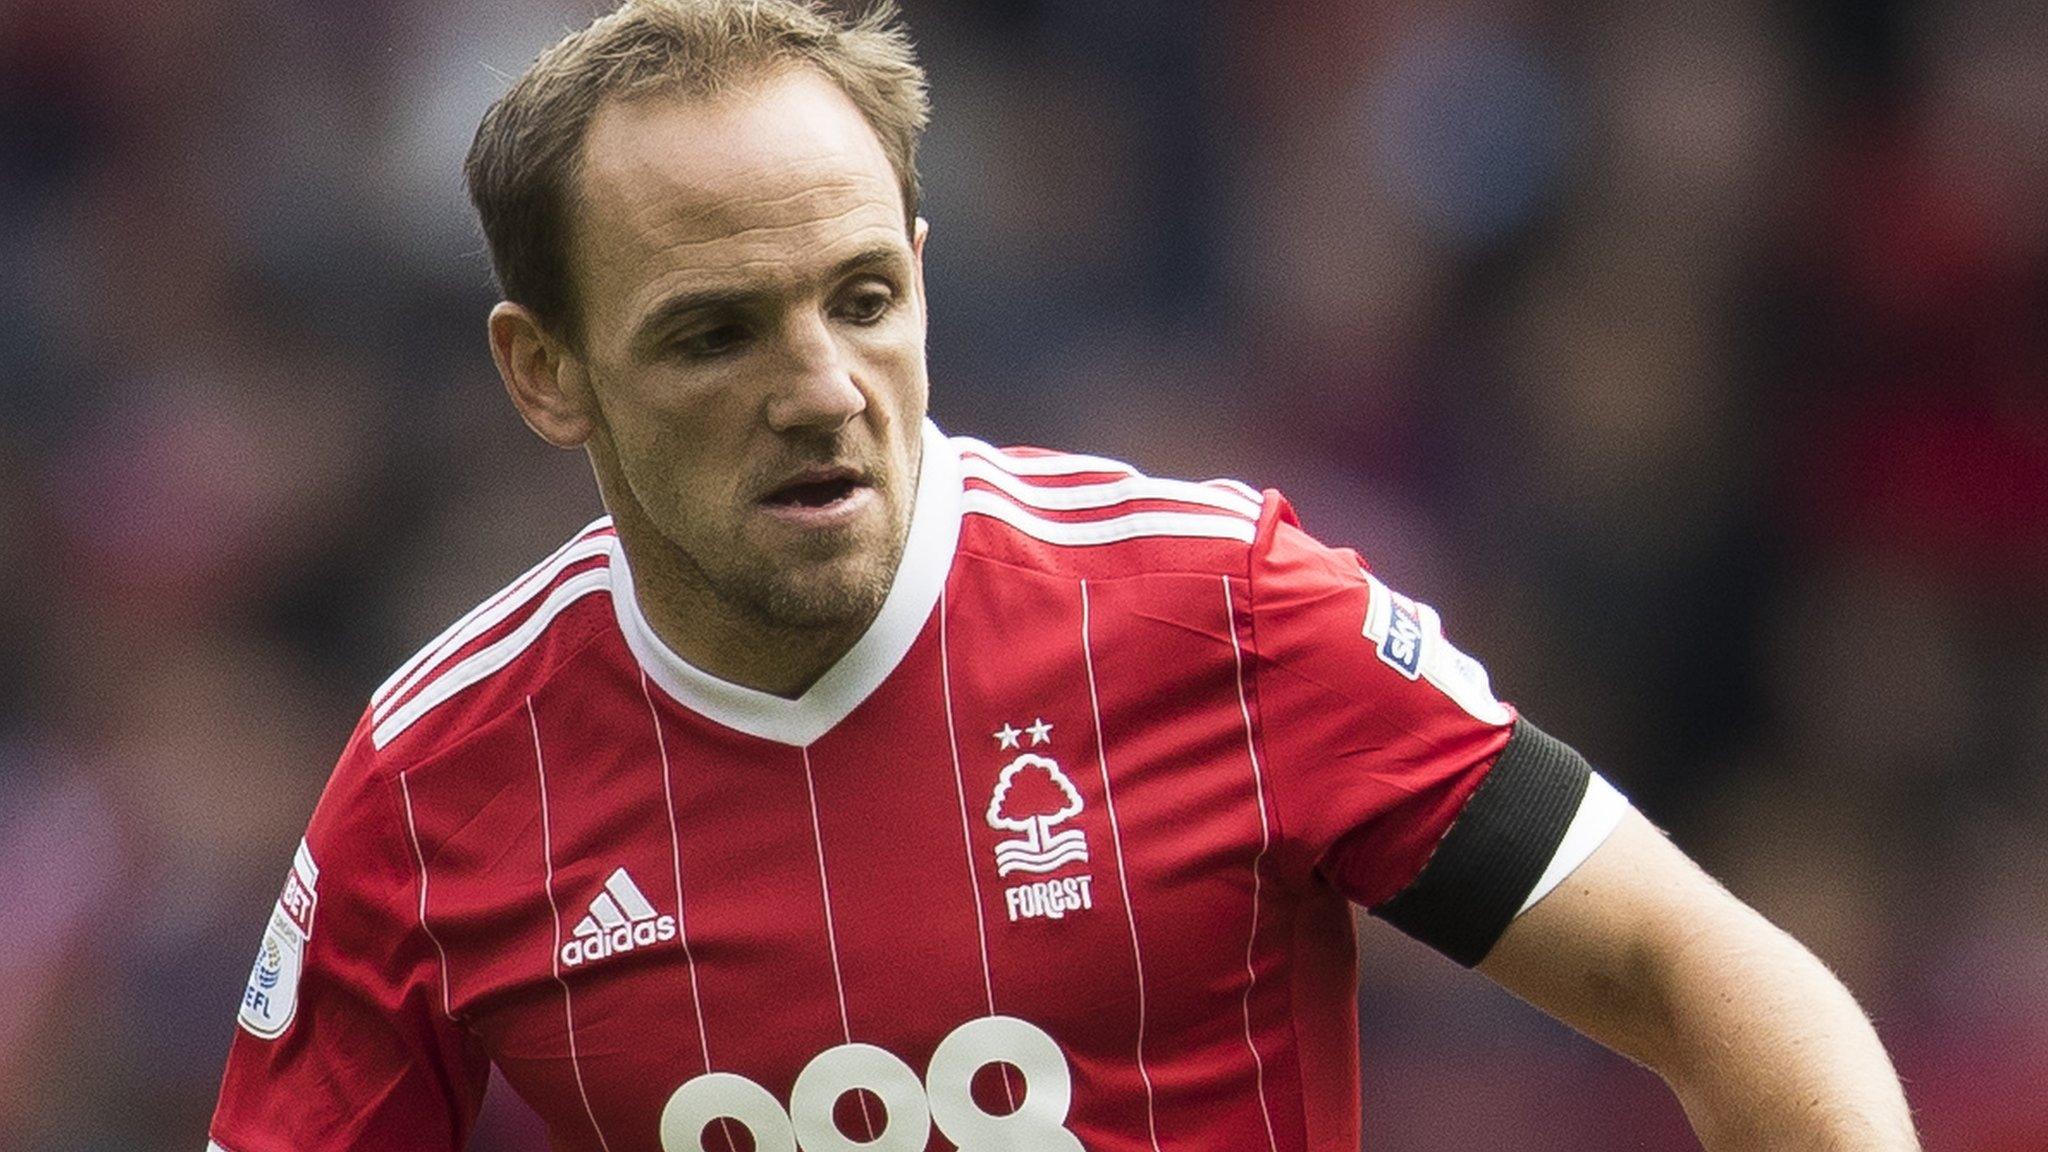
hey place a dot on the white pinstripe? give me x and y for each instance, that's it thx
(412, 830)
(960, 788)
(1122, 875)
(675, 845)
(831, 934)
(988, 982)
(547, 853)
(825, 887)
(1265, 842)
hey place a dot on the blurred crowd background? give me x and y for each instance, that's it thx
(1692, 358)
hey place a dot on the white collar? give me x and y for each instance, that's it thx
(920, 577)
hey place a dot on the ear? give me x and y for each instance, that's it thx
(917, 236)
(544, 378)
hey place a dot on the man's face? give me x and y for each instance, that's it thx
(753, 341)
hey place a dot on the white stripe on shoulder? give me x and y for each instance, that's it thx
(490, 614)
(1110, 530)
(488, 660)
(438, 643)
(1242, 489)
(1103, 495)
(1052, 464)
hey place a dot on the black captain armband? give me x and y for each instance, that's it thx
(1497, 849)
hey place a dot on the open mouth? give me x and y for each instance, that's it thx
(820, 489)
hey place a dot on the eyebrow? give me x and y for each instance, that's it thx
(672, 309)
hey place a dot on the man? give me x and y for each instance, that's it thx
(854, 787)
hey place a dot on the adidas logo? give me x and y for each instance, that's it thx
(620, 920)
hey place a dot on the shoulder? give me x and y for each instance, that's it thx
(361, 846)
(494, 655)
(1100, 518)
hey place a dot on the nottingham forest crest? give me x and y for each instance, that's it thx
(1033, 797)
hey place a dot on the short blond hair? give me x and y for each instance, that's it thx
(523, 165)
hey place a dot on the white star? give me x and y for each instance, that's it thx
(1041, 732)
(1006, 737)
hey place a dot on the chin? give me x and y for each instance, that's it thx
(824, 596)
(826, 583)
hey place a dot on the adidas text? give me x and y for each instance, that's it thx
(623, 938)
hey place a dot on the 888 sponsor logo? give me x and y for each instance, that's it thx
(944, 1098)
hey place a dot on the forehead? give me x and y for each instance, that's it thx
(764, 179)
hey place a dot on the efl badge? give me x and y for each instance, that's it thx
(272, 997)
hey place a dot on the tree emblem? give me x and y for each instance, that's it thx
(1031, 796)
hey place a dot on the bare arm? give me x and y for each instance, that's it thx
(1642, 951)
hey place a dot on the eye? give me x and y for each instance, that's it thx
(867, 302)
(713, 342)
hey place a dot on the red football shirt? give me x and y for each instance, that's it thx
(1057, 857)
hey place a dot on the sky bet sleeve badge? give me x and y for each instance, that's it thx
(272, 997)
(1409, 637)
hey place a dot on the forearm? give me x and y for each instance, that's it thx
(1766, 1049)
(1643, 952)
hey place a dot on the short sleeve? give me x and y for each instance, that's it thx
(342, 1040)
(1398, 777)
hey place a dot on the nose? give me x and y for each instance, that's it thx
(817, 390)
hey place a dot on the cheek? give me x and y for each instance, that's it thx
(694, 462)
(897, 367)
(664, 455)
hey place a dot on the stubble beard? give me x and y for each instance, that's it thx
(822, 594)
(845, 592)
(833, 586)
(823, 587)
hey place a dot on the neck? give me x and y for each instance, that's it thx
(709, 633)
